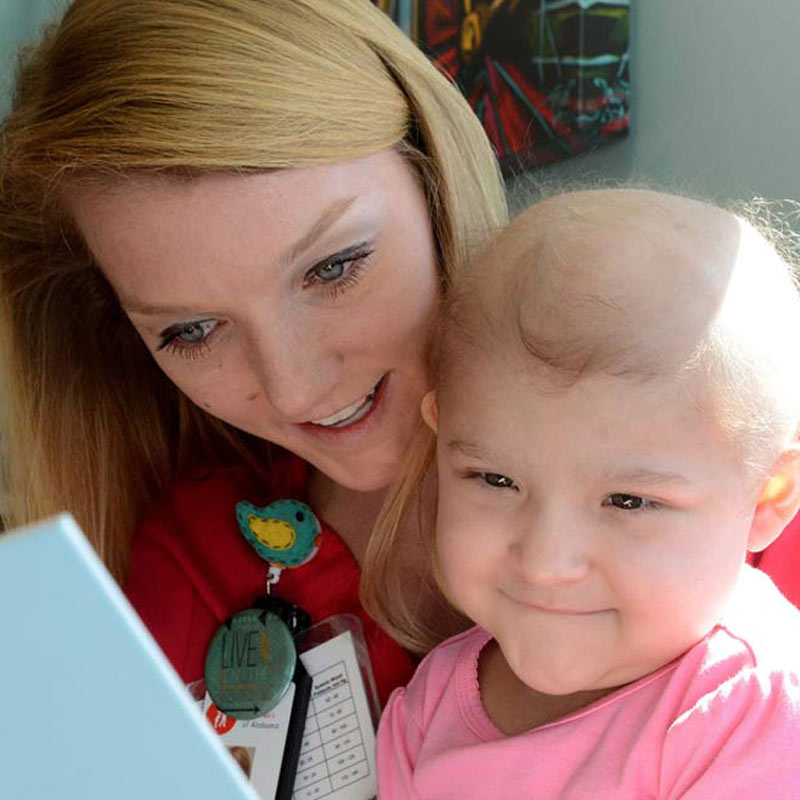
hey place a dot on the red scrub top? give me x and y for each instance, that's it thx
(191, 569)
(781, 561)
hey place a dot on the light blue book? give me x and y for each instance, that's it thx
(89, 706)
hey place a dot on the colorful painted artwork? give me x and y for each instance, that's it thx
(548, 78)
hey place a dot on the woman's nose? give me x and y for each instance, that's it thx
(551, 550)
(297, 372)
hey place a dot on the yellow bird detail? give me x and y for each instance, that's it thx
(274, 533)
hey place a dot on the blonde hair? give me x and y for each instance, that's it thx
(386, 591)
(186, 87)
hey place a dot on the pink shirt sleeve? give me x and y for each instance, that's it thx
(742, 740)
(398, 746)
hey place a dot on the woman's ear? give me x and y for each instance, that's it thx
(779, 500)
(430, 410)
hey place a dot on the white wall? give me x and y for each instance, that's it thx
(20, 21)
(715, 102)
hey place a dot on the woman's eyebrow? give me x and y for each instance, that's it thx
(326, 220)
(134, 306)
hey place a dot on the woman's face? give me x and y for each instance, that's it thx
(296, 305)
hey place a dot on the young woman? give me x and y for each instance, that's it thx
(225, 228)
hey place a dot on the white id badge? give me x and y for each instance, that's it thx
(336, 759)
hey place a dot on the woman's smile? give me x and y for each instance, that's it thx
(352, 413)
(368, 417)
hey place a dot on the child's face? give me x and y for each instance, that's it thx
(595, 531)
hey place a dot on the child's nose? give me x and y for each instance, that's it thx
(552, 550)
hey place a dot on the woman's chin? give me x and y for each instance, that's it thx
(361, 478)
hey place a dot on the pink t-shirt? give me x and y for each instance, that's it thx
(722, 721)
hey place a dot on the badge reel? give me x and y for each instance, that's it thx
(252, 660)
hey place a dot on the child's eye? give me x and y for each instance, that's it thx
(496, 480)
(629, 502)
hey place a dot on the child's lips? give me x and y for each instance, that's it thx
(565, 611)
(561, 609)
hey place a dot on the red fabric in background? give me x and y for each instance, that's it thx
(191, 569)
(781, 561)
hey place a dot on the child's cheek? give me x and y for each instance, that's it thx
(458, 561)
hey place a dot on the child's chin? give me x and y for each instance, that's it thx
(556, 679)
(554, 686)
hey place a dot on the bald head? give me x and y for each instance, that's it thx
(640, 284)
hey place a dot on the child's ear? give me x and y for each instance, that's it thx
(779, 500)
(430, 410)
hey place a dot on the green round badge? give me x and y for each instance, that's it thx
(250, 664)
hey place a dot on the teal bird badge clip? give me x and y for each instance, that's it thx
(285, 533)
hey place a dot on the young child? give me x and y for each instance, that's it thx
(616, 416)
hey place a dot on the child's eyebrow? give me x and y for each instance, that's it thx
(466, 448)
(645, 475)
(639, 476)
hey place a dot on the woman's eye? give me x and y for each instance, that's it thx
(333, 271)
(188, 335)
(497, 480)
(341, 271)
(196, 331)
(627, 502)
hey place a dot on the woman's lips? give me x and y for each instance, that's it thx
(350, 414)
(356, 421)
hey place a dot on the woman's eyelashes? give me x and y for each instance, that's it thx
(341, 271)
